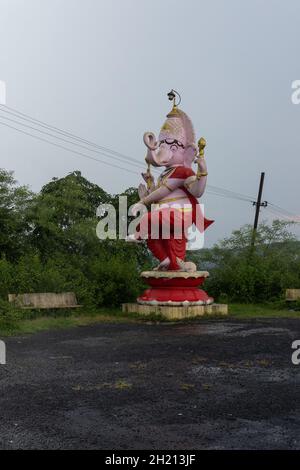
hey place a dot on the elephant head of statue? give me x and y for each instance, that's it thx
(176, 142)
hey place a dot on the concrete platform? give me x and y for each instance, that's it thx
(176, 313)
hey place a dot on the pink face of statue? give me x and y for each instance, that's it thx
(170, 152)
(166, 152)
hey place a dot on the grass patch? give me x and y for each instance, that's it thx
(276, 310)
(28, 322)
(33, 323)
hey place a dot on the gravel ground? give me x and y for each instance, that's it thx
(206, 385)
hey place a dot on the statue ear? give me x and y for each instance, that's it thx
(189, 155)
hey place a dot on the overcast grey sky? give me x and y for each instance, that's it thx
(102, 68)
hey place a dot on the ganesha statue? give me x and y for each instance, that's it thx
(172, 201)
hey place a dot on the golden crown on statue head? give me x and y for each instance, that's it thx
(177, 125)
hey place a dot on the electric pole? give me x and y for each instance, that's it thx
(258, 204)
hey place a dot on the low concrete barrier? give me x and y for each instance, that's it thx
(292, 294)
(44, 300)
(176, 313)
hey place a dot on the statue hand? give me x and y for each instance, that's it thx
(148, 177)
(202, 164)
(142, 191)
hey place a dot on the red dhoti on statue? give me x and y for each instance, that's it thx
(165, 230)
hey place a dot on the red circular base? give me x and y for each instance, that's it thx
(176, 290)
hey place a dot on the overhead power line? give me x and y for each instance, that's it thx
(282, 215)
(77, 141)
(15, 113)
(67, 149)
(280, 209)
(66, 140)
(229, 193)
(26, 117)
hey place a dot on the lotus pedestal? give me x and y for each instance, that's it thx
(175, 295)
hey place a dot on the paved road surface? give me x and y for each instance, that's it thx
(207, 385)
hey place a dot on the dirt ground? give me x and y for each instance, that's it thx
(206, 385)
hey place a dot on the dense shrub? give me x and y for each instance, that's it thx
(48, 243)
(9, 317)
(257, 275)
(58, 250)
(116, 280)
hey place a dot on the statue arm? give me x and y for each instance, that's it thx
(144, 190)
(196, 184)
(157, 194)
(162, 191)
(150, 181)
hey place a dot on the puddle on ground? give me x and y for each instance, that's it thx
(231, 330)
(263, 373)
(208, 329)
(90, 341)
(268, 330)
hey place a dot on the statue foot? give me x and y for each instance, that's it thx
(187, 266)
(163, 266)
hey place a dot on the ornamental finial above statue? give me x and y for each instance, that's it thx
(173, 198)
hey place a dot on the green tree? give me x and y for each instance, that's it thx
(273, 267)
(64, 215)
(58, 249)
(15, 202)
